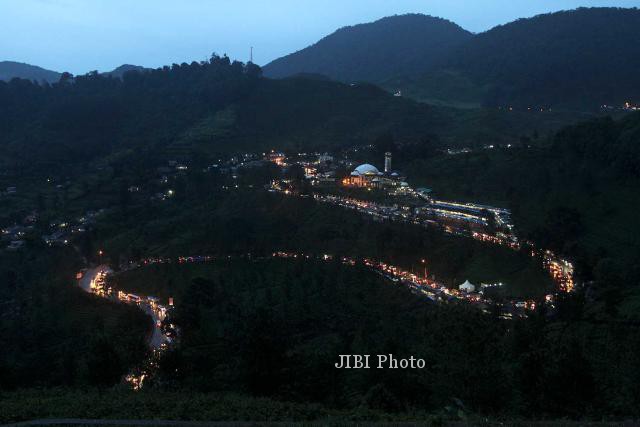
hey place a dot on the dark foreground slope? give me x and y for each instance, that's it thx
(397, 45)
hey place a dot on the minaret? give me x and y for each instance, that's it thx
(387, 162)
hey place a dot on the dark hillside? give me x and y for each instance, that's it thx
(579, 59)
(11, 70)
(374, 52)
(220, 106)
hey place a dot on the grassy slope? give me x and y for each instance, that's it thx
(156, 405)
(440, 87)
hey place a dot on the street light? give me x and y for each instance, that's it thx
(100, 254)
(424, 262)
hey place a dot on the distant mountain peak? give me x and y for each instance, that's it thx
(394, 45)
(125, 68)
(576, 59)
(11, 69)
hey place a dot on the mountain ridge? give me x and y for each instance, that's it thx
(13, 69)
(574, 59)
(21, 70)
(585, 56)
(369, 51)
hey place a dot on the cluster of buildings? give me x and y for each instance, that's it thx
(319, 168)
(62, 232)
(487, 222)
(324, 170)
(59, 233)
(481, 222)
(13, 236)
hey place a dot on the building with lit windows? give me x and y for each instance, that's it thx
(368, 176)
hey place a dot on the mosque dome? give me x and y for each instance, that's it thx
(367, 169)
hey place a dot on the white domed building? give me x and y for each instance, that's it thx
(365, 170)
(363, 176)
(367, 175)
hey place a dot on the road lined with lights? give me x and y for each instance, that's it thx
(560, 270)
(163, 335)
(418, 284)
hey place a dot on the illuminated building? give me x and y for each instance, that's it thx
(368, 176)
(363, 176)
(277, 158)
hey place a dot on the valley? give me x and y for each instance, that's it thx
(215, 241)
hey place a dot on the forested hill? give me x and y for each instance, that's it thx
(10, 70)
(579, 59)
(373, 52)
(219, 106)
(93, 115)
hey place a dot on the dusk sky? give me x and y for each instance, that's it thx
(79, 35)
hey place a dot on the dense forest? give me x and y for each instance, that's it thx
(579, 59)
(219, 106)
(81, 118)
